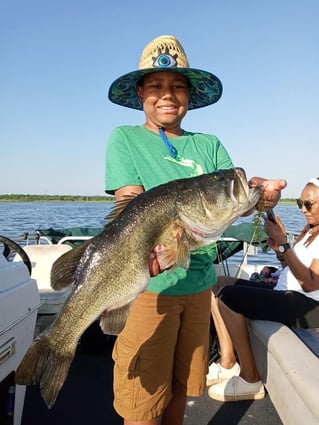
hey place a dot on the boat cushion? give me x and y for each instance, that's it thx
(42, 258)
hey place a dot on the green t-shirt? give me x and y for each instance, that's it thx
(137, 156)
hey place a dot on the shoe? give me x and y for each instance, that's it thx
(236, 389)
(217, 373)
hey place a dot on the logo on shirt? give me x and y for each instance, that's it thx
(196, 168)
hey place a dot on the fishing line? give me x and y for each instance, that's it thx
(257, 222)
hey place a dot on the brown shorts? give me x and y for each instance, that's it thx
(162, 349)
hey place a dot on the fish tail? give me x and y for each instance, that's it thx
(44, 365)
(31, 368)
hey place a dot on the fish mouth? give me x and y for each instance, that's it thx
(241, 190)
(222, 209)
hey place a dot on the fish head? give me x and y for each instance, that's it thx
(220, 198)
(241, 196)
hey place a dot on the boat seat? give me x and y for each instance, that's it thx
(289, 369)
(230, 270)
(42, 258)
(310, 337)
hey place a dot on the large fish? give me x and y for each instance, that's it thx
(111, 269)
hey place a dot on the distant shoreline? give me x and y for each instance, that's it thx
(79, 198)
(55, 198)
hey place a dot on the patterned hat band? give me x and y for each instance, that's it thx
(165, 53)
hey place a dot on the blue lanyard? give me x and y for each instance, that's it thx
(171, 149)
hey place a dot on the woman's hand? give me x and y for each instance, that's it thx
(276, 232)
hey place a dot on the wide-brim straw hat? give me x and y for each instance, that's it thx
(165, 53)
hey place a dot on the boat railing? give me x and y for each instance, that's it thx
(71, 239)
(35, 238)
(248, 249)
(31, 238)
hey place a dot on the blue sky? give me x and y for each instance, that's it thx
(59, 57)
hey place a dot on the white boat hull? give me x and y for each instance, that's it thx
(19, 303)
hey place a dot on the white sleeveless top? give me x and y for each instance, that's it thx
(287, 280)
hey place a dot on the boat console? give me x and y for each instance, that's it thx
(19, 303)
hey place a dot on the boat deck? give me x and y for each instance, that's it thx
(87, 396)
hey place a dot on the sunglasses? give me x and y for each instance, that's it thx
(307, 204)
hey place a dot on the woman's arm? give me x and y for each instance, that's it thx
(308, 277)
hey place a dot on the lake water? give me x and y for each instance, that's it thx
(19, 217)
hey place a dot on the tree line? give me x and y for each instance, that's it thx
(55, 198)
(78, 198)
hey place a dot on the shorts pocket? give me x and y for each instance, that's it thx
(126, 382)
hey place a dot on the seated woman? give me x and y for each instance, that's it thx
(294, 301)
(227, 366)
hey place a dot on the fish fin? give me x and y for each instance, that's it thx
(183, 251)
(120, 206)
(175, 252)
(166, 257)
(42, 364)
(112, 322)
(63, 269)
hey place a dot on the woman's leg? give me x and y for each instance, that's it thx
(246, 386)
(227, 366)
(227, 355)
(237, 326)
